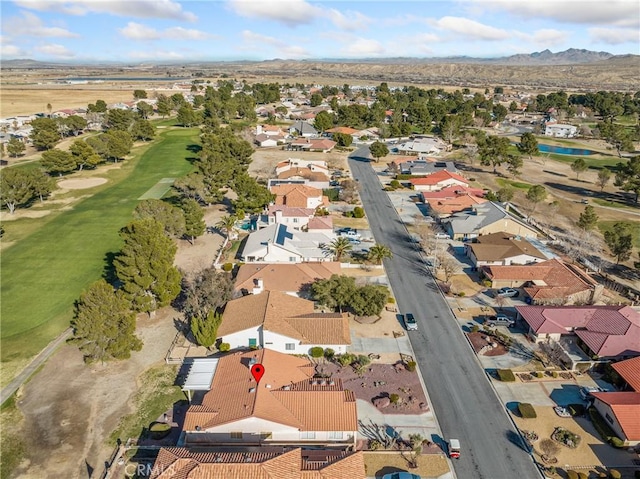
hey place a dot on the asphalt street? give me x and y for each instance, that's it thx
(463, 400)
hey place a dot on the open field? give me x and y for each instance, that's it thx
(42, 277)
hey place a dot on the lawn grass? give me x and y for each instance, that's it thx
(594, 162)
(47, 269)
(156, 394)
(635, 229)
(12, 446)
(613, 204)
(515, 184)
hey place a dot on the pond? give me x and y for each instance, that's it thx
(562, 150)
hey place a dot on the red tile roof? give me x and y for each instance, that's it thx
(234, 395)
(453, 191)
(453, 205)
(438, 177)
(630, 372)
(342, 129)
(320, 223)
(626, 407)
(609, 331)
(291, 211)
(265, 463)
(284, 277)
(499, 246)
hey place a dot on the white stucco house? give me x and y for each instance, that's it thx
(279, 243)
(281, 322)
(560, 130)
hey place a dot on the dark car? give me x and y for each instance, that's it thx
(410, 322)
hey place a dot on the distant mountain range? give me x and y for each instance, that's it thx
(572, 56)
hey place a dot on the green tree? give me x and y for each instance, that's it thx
(227, 224)
(450, 127)
(343, 139)
(493, 150)
(84, 155)
(379, 252)
(15, 147)
(617, 136)
(619, 239)
(206, 291)
(499, 112)
(171, 217)
(535, 195)
(369, 300)
(16, 188)
(139, 94)
(100, 106)
(118, 144)
(74, 124)
(252, 196)
(144, 265)
(528, 145)
(505, 194)
(57, 161)
(604, 175)
(588, 218)
(579, 166)
(144, 109)
(335, 292)
(104, 325)
(120, 120)
(143, 130)
(205, 330)
(628, 176)
(323, 121)
(187, 116)
(45, 133)
(316, 99)
(193, 219)
(378, 150)
(41, 184)
(163, 105)
(514, 163)
(338, 248)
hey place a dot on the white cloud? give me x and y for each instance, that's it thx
(156, 55)
(349, 20)
(7, 50)
(256, 41)
(127, 8)
(363, 47)
(614, 36)
(471, 29)
(55, 50)
(30, 25)
(289, 12)
(596, 12)
(137, 31)
(545, 37)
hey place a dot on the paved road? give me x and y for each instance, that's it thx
(463, 400)
(42, 356)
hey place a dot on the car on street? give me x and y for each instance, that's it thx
(507, 293)
(400, 475)
(442, 236)
(410, 322)
(500, 320)
(454, 448)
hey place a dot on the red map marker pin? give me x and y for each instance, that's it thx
(257, 370)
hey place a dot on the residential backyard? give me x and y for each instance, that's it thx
(54, 257)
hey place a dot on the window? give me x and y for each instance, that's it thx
(295, 220)
(236, 435)
(253, 342)
(290, 346)
(266, 435)
(336, 434)
(307, 435)
(608, 418)
(292, 259)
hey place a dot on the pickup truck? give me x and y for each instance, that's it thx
(349, 233)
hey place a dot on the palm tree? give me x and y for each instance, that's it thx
(379, 252)
(228, 224)
(338, 247)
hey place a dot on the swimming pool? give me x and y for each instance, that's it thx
(561, 150)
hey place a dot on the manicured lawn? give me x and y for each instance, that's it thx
(594, 162)
(46, 270)
(515, 184)
(635, 229)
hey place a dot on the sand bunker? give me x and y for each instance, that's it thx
(81, 184)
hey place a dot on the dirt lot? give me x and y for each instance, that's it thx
(265, 160)
(590, 452)
(395, 381)
(377, 464)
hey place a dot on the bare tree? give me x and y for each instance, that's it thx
(500, 302)
(549, 448)
(449, 267)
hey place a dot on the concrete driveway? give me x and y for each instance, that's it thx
(380, 345)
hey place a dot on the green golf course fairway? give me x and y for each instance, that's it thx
(45, 272)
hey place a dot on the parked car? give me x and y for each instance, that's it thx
(410, 322)
(400, 475)
(349, 233)
(442, 236)
(507, 293)
(500, 320)
(585, 392)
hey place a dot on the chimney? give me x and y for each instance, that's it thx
(259, 286)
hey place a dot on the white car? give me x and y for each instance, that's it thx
(562, 411)
(442, 236)
(585, 391)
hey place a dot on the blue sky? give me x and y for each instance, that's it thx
(142, 30)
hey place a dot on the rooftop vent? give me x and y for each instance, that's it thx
(286, 388)
(268, 386)
(252, 390)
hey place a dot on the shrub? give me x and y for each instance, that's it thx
(576, 409)
(363, 360)
(506, 375)
(395, 184)
(394, 398)
(159, 430)
(614, 474)
(461, 294)
(475, 328)
(554, 374)
(329, 353)
(389, 188)
(572, 475)
(316, 352)
(346, 359)
(224, 347)
(583, 475)
(332, 193)
(348, 214)
(605, 431)
(227, 267)
(526, 410)
(538, 374)
(374, 445)
(616, 442)
(391, 300)
(358, 212)
(411, 366)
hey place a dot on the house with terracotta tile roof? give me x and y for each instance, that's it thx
(315, 179)
(345, 130)
(299, 196)
(268, 462)
(292, 279)
(266, 141)
(295, 163)
(446, 207)
(621, 411)
(288, 407)
(606, 333)
(502, 249)
(281, 322)
(292, 217)
(312, 144)
(548, 282)
(629, 371)
(320, 224)
(437, 181)
(279, 243)
(450, 192)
